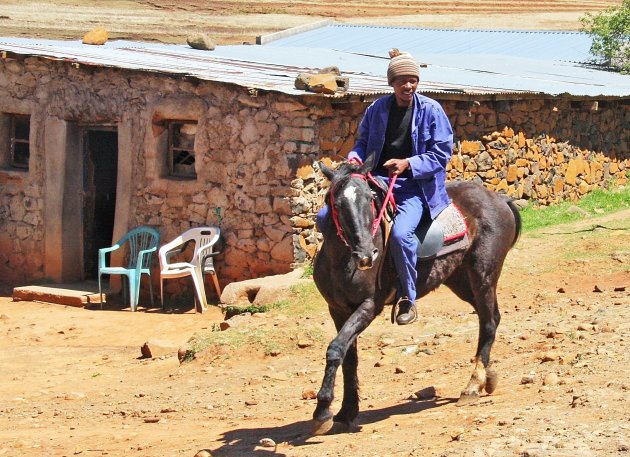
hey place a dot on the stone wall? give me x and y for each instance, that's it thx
(251, 149)
(586, 123)
(254, 159)
(539, 169)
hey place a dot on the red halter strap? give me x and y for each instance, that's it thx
(376, 222)
(389, 198)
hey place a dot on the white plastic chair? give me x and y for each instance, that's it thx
(205, 239)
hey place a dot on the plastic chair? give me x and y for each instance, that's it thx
(205, 239)
(142, 242)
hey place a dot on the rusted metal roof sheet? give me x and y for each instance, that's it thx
(275, 66)
(257, 67)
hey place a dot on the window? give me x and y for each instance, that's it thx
(181, 149)
(14, 141)
(20, 127)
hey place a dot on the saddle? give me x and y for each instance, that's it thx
(446, 233)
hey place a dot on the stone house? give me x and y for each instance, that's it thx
(95, 140)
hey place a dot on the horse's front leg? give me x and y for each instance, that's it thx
(342, 349)
(350, 404)
(483, 377)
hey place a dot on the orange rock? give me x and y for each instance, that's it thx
(571, 173)
(512, 173)
(508, 132)
(457, 162)
(97, 36)
(471, 147)
(502, 186)
(327, 161)
(323, 83)
(558, 185)
(542, 190)
(522, 162)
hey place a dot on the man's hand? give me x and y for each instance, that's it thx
(396, 166)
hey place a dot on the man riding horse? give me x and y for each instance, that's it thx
(411, 139)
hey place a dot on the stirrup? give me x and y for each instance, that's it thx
(399, 317)
(410, 315)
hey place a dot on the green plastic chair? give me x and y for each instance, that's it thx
(142, 242)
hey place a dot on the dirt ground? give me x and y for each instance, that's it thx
(74, 382)
(239, 21)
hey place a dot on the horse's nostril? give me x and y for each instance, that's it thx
(365, 263)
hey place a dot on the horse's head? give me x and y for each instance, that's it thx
(352, 207)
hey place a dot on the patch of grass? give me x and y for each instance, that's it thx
(253, 309)
(306, 299)
(596, 203)
(270, 339)
(308, 271)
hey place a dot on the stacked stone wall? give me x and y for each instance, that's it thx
(540, 169)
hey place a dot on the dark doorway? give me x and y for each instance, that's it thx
(99, 185)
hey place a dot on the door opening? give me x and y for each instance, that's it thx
(100, 155)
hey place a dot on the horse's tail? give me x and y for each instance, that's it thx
(517, 220)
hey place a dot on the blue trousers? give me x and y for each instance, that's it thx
(403, 243)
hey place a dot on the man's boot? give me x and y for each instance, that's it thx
(407, 312)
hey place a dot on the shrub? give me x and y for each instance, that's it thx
(610, 31)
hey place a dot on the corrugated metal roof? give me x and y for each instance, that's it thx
(469, 62)
(547, 62)
(378, 40)
(258, 67)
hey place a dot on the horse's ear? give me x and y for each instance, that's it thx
(328, 172)
(368, 165)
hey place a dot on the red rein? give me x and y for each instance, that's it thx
(389, 197)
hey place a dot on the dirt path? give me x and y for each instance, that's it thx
(73, 382)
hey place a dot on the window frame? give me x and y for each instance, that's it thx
(173, 149)
(14, 140)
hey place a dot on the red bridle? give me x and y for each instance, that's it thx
(389, 198)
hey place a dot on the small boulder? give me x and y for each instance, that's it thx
(98, 36)
(309, 394)
(157, 348)
(551, 379)
(200, 41)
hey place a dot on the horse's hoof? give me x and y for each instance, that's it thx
(492, 380)
(322, 427)
(467, 399)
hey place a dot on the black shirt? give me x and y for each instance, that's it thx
(397, 138)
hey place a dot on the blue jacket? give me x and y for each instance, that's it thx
(432, 143)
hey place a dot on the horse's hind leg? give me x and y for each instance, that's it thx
(483, 377)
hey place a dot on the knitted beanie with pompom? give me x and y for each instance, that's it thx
(401, 64)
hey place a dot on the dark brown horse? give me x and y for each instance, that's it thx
(357, 280)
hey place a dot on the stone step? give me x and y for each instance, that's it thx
(79, 294)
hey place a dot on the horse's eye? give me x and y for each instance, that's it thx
(373, 195)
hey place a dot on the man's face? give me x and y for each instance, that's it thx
(404, 88)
